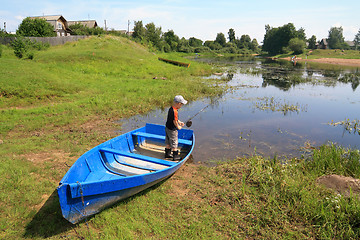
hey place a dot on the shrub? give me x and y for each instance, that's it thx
(79, 29)
(297, 45)
(30, 55)
(229, 50)
(20, 47)
(23, 45)
(39, 45)
(0, 50)
(185, 49)
(202, 49)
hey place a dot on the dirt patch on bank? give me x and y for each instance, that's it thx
(336, 61)
(341, 184)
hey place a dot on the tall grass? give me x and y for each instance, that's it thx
(86, 81)
(290, 194)
(248, 198)
(65, 101)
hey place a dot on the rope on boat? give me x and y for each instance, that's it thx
(83, 203)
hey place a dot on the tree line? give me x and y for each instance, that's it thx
(170, 42)
(277, 40)
(287, 38)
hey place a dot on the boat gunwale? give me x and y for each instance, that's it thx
(73, 194)
(88, 187)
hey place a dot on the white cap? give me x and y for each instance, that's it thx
(180, 99)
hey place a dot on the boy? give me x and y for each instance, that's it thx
(173, 124)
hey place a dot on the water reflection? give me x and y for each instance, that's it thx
(273, 108)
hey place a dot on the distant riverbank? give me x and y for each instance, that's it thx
(329, 56)
(336, 61)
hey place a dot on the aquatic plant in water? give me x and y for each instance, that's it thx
(353, 78)
(274, 105)
(349, 126)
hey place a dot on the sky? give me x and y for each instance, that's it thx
(197, 18)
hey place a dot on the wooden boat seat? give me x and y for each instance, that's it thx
(160, 137)
(138, 156)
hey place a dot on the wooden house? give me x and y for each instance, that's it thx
(322, 44)
(58, 22)
(86, 23)
(351, 44)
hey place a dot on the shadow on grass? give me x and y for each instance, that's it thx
(48, 221)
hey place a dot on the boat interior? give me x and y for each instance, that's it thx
(137, 152)
(142, 155)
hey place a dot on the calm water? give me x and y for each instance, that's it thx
(249, 118)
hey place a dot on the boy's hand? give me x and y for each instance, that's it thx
(181, 124)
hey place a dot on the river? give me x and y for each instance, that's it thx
(272, 108)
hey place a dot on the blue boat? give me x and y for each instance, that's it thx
(119, 168)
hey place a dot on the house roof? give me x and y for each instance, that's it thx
(350, 43)
(51, 18)
(86, 23)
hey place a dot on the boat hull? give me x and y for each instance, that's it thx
(101, 177)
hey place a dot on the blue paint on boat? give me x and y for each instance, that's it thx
(117, 169)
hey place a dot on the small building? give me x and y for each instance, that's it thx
(86, 23)
(351, 44)
(58, 22)
(322, 44)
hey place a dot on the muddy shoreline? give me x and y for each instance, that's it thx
(336, 61)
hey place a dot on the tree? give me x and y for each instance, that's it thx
(277, 39)
(220, 39)
(357, 40)
(335, 38)
(244, 42)
(300, 34)
(254, 45)
(194, 42)
(35, 28)
(153, 34)
(184, 46)
(212, 45)
(231, 34)
(171, 39)
(312, 42)
(139, 30)
(297, 45)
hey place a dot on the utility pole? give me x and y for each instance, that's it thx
(128, 32)
(105, 25)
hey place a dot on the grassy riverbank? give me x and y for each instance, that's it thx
(65, 101)
(86, 85)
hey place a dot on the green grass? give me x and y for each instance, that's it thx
(97, 79)
(65, 101)
(334, 53)
(248, 198)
